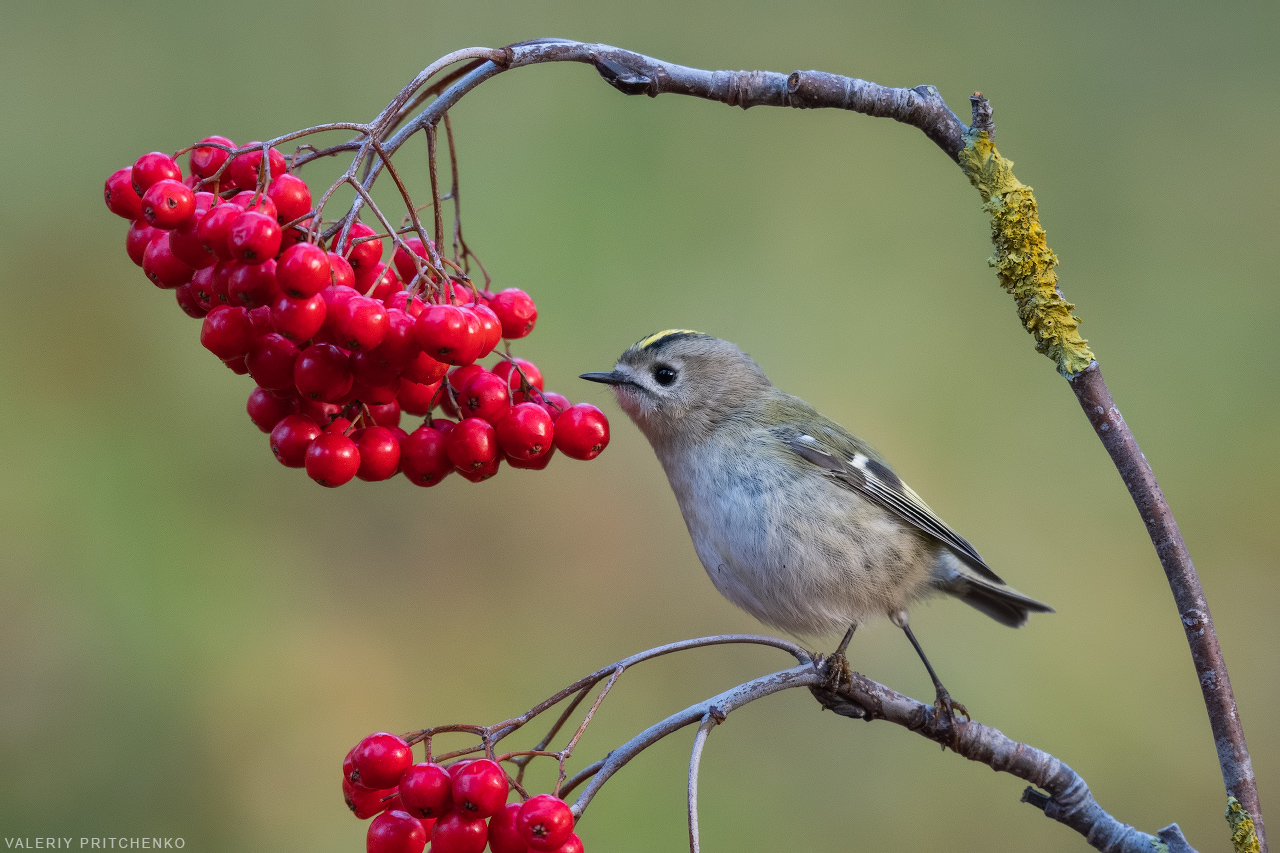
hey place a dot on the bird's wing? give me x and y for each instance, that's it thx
(855, 466)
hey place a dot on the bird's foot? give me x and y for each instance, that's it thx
(946, 710)
(838, 672)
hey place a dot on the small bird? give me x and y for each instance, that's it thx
(797, 521)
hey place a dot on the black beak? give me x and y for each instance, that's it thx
(613, 377)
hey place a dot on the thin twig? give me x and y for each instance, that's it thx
(695, 758)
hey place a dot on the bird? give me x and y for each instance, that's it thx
(797, 521)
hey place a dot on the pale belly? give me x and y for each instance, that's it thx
(795, 550)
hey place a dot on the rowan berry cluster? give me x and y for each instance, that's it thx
(338, 342)
(459, 808)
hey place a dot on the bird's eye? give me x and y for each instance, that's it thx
(664, 375)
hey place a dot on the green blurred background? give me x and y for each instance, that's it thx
(191, 636)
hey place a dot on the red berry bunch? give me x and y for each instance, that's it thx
(461, 808)
(339, 343)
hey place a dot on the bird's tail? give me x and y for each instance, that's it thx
(1003, 604)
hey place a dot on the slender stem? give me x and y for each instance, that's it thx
(586, 721)
(1188, 595)
(695, 759)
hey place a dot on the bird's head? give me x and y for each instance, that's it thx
(680, 385)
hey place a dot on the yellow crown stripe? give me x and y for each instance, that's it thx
(654, 338)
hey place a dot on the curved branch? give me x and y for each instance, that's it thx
(1215, 684)
(709, 722)
(1069, 800)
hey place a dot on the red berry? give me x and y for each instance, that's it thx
(167, 204)
(153, 167)
(507, 370)
(322, 372)
(545, 822)
(449, 334)
(537, 463)
(382, 279)
(458, 833)
(252, 202)
(582, 431)
(161, 266)
(227, 332)
(480, 789)
(424, 369)
(379, 458)
(236, 365)
(573, 845)
(415, 398)
(246, 168)
(426, 790)
(267, 410)
(361, 323)
(186, 245)
(504, 837)
(399, 345)
(379, 759)
(395, 832)
(460, 376)
(340, 272)
(119, 195)
(261, 318)
(375, 395)
(270, 362)
(365, 803)
(485, 396)
(321, 413)
(490, 325)
(201, 285)
(516, 311)
(204, 160)
(220, 281)
(291, 237)
(473, 447)
(388, 415)
(368, 370)
(413, 307)
(303, 270)
(139, 237)
(253, 285)
(333, 459)
(423, 458)
(188, 303)
(362, 256)
(404, 263)
(254, 238)
(338, 426)
(526, 432)
(555, 404)
(215, 227)
(291, 196)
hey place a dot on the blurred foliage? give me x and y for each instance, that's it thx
(192, 636)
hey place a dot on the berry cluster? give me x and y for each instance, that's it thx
(340, 343)
(459, 808)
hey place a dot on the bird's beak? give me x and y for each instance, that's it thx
(613, 377)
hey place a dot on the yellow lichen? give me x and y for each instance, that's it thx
(1023, 260)
(1244, 837)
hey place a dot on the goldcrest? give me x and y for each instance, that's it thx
(797, 521)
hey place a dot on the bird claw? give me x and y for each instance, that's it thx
(838, 672)
(944, 707)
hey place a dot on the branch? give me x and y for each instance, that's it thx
(1068, 799)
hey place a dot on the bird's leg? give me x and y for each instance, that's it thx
(838, 664)
(944, 704)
